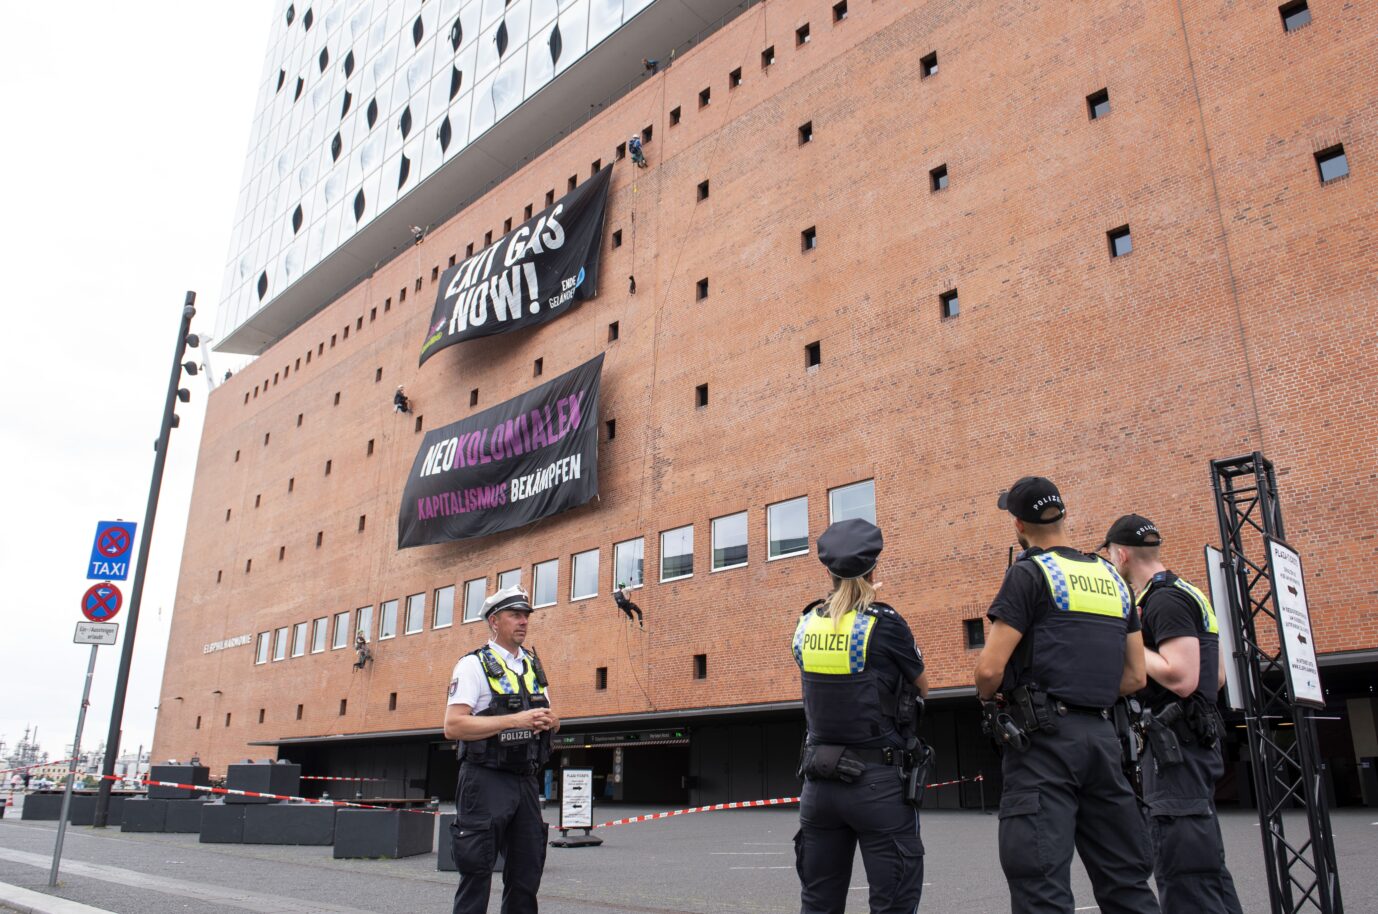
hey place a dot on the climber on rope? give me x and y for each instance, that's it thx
(634, 149)
(626, 605)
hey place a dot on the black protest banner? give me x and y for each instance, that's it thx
(530, 457)
(531, 275)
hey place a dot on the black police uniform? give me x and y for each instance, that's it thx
(871, 713)
(497, 801)
(1189, 854)
(1067, 788)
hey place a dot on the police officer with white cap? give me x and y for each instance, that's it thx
(1064, 645)
(499, 712)
(1182, 759)
(863, 764)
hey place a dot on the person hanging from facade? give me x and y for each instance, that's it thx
(1064, 645)
(363, 654)
(863, 764)
(400, 403)
(1182, 756)
(625, 604)
(499, 713)
(635, 151)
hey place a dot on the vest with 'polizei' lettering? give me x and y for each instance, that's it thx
(845, 701)
(1153, 603)
(517, 749)
(1077, 649)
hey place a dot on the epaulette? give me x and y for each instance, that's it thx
(882, 610)
(812, 606)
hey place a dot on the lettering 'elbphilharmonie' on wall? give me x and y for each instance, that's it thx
(377, 116)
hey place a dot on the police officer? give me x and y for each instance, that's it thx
(1182, 759)
(499, 711)
(1064, 645)
(863, 678)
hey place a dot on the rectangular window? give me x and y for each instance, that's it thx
(628, 561)
(700, 666)
(948, 304)
(808, 239)
(545, 578)
(416, 613)
(475, 592)
(526, 215)
(319, 629)
(344, 706)
(705, 97)
(937, 178)
(299, 710)
(675, 115)
(600, 678)
(646, 133)
(729, 541)
(1294, 15)
(593, 170)
(387, 620)
(1120, 242)
(511, 578)
(787, 528)
(813, 354)
(768, 57)
(975, 631)
(734, 79)
(855, 500)
(280, 644)
(392, 701)
(839, 10)
(617, 239)
(701, 396)
(299, 639)
(340, 637)
(365, 624)
(583, 581)
(701, 289)
(703, 190)
(677, 553)
(806, 133)
(444, 607)
(263, 650)
(1332, 163)
(618, 155)
(611, 426)
(801, 35)
(538, 368)
(614, 330)
(549, 201)
(928, 65)
(1098, 104)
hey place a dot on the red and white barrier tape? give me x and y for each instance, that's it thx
(318, 777)
(61, 761)
(230, 792)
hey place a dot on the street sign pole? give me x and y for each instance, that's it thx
(72, 768)
(112, 740)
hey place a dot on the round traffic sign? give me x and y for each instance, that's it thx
(113, 542)
(102, 602)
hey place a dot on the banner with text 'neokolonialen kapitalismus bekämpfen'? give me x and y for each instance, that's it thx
(514, 463)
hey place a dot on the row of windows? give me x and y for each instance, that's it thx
(787, 535)
(301, 710)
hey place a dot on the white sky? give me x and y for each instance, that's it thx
(125, 131)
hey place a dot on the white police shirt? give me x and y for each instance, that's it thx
(468, 684)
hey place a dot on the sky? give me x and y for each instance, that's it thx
(124, 137)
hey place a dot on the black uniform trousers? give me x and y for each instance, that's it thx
(834, 817)
(1067, 790)
(1188, 852)
(497, 811)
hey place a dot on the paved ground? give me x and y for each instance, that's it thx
(740, 861)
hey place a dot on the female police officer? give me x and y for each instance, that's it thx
(861, 673)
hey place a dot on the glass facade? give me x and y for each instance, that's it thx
(362, 100)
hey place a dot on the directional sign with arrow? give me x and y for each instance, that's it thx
(110, 552)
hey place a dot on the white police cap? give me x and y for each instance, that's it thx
(508, 598)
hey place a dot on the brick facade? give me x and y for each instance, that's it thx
(1237, 323)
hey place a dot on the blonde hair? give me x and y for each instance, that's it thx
(849, 594)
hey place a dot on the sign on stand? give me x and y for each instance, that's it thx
(1294, 624)
(94, 633)
(1221, 583)
(576, 808)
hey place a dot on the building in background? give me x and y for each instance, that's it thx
(885, 259)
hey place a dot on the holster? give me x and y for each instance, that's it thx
(1033, 710)
(1162, 737)
(919, 771)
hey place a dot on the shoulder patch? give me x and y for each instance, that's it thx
(454, 687)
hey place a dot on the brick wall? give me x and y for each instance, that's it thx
(1244, 318)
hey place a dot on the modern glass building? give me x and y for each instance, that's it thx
(377, 116)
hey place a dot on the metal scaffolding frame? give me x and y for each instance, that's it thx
(1301, 875)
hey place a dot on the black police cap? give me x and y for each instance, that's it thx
(849, 548)
(1034, 500)
(1133, 530)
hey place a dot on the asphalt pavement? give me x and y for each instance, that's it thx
(732, 861)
